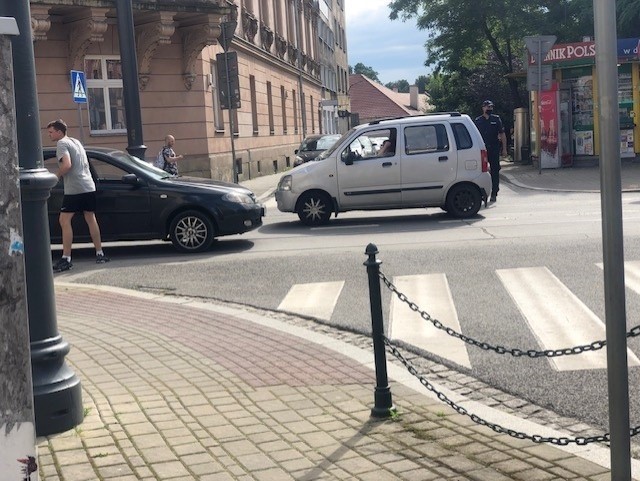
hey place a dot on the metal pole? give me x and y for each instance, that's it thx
(230, 98)
(299, 65)
(612, 244)
(127, 40)
(80, 123)
(18, 435)
(383, 404)
(57, 393)
(539, 107)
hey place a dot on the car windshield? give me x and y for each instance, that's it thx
(318, 143)
(128, 159)
(336, 142)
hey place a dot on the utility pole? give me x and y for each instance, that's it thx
(604, 20)
(17, 425)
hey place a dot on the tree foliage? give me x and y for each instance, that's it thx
(401, 85)
(422, 82)
(481, 37)
(362, 69)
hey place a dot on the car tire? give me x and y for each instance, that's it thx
(314, 208)
(191, 231)
(463, 201)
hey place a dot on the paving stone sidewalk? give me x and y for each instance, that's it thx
(177, 390)
(568, 179)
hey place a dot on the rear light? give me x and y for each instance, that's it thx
(485, 160)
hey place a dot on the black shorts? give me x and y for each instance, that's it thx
(79, 202)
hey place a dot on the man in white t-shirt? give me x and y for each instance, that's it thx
(79, 192)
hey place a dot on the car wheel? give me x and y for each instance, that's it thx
(463, 201)
(191, 231)
(314, 208)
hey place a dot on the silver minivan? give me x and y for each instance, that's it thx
(432, 160)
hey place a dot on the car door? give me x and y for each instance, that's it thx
(366, 180)
(123, 209)
(429, 163)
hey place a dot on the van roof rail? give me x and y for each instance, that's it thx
(377, 121)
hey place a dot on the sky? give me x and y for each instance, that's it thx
(394, 49)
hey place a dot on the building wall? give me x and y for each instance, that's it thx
(168, 106)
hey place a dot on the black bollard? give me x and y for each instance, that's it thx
(383, 407)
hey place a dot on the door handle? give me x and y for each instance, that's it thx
(442, 158)
(386, 164)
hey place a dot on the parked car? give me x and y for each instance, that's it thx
(312, 146)
(434, 160)
(136, 201)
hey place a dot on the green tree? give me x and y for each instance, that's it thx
(362, 69)
(401, 85)
(422, 82)
(628, 18)
(464, 34)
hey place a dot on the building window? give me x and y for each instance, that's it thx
(272, 130)
(105, 94)
(283, 96)
(254, 104)
(218, 121)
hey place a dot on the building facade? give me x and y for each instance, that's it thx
(565, 127)
(177, 47)
(334, 66)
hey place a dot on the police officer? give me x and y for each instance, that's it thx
(492, 131)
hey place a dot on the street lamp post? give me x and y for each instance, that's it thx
(56, 389)
(126, 37)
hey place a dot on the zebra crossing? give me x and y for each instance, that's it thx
(556, 317)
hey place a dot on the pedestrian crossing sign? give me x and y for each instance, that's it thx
(78, 87)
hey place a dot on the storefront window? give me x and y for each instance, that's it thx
(625, 106)
(105, 94)
(580, 82)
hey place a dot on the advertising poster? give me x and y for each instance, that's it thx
(549, 125)
(626, 143)
(584, 142)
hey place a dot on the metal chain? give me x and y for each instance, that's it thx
(515, 352)
(536, 438)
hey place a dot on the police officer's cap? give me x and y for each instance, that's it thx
(487, 103)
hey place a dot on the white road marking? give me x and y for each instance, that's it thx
(317, 299)
(557, 317)
(430, 292)
(631, 274)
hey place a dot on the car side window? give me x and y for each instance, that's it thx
(106, 172)
(423, 139)
(368, 145)
(462, 136)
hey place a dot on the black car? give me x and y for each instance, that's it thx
(136, 201)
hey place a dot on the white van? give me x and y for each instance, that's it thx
(433, 160)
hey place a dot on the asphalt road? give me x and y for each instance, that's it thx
(558, 231)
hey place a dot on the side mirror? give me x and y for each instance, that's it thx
(131, 179)
(295, 151)
(348, 157)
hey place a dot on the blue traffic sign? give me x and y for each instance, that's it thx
(78, 87)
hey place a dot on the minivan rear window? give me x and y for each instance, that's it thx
(462, 136)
